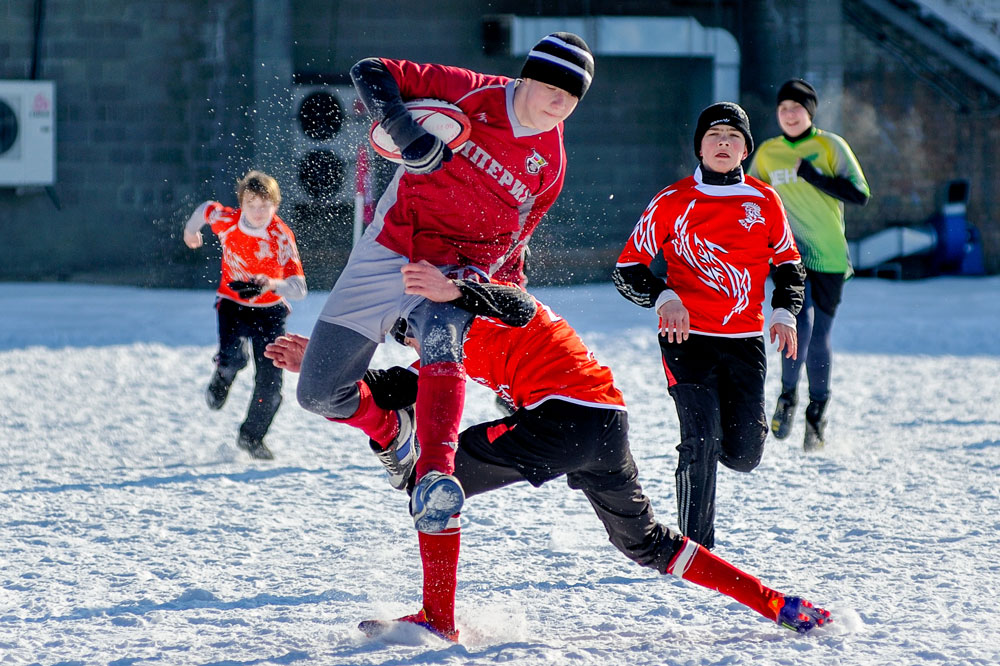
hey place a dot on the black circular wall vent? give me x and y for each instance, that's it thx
(8, 127)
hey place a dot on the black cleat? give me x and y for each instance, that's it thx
(815, 425)
(435, 499)
(505, 407)
(255, 447)
(784, 412)
(218, 389)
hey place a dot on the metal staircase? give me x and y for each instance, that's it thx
(954, 45)
(984, 13)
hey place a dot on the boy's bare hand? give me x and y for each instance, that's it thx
(287, 351)
(675, 321)
(424, 279)
(193, 239)
(787, 338)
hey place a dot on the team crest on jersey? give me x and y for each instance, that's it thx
(481, 117)
(534, 163)
(263, 250)
(286, 248)
(752, 215)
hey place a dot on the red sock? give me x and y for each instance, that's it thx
(697, 564)
(440, 398)
(382, 425)
(439, 555)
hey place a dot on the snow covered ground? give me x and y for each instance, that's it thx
(132, 530)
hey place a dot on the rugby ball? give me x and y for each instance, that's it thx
(442, 119)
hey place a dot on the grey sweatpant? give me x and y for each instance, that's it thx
(364, 304)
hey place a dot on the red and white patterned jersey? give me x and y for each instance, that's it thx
(718, 242)
(247, 251)
(481, 207)
(543, 360)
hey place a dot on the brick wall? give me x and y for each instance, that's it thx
(911, 141)
(151, 119)
(155, 107)
(629, 138)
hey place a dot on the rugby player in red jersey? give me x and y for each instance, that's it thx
(471, 211)
(719, 233)
(571, 420)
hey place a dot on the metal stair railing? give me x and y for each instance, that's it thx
(939, 42)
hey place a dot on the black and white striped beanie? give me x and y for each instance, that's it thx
(561, 59)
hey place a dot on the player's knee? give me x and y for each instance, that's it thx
(743, 463)
(307, 397)
(744, 458)
(697, 449)
(268, 379)
(441, 346)
(743, 447)
(317, 397)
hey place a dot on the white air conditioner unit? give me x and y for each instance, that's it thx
(27, 133)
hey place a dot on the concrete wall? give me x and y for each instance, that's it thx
(912, 141)
(151, 119)
(628, 138)
(160, 105)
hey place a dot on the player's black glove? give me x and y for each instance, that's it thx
(837, 187)
(244, 289)
(808, 172)
(425, 154)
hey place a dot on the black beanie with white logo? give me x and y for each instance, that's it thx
(563, 60)
(799, 91)
(722, 113)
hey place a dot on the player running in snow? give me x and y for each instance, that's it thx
(719, 232)
(570, 419)
(261, 270)
(471, 211)
(815, 173)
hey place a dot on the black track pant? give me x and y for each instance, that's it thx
(261, 326)
(718, 388)
(587, 444)
(814, 325)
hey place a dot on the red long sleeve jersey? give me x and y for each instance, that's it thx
(480, 207)
(718, 242)
(270, 250)
(543, 360)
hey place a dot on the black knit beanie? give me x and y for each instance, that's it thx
(722, 113)
(799, 91)
(563, 60)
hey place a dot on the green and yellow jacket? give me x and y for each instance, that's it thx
(814, 195)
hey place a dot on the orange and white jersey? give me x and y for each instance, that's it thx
(543, 360)
(249, 251)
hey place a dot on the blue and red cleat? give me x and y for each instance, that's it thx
(374, 628)
(800, 615)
